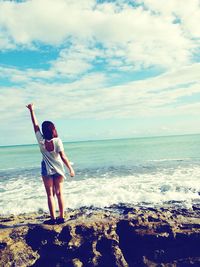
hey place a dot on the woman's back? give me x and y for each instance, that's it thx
(49, 145)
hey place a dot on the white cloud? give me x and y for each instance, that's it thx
(113, 36)
(144, 38)
(92, 97)
(12, 101)
(187, 13)
(75, 60)
(16, 75)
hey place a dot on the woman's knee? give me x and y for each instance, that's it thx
(58, 193)
(58, 186)
(48, 183)
(50, 194)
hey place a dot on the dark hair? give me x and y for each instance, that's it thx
(49, 130)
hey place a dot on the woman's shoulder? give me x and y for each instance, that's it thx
(58, 144)
(57, 140)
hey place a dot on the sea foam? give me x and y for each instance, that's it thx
(180, 185)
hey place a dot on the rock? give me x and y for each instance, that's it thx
(17, 254)
(115, 237)
(106, 248)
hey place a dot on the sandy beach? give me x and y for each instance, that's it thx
(120, 236)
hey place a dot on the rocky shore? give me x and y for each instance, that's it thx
(115, 236)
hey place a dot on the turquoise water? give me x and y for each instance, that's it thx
(149, 171)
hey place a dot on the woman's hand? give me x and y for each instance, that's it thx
(30, 106)
(72, 172)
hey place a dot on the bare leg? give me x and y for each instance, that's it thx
(49, 186)
(58, 186)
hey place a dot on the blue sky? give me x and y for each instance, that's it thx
(100, 69)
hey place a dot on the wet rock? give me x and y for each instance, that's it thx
(17, 254)
(153, 219)
(38, 236)
(3, 245)
(106, 248)
(118, 236)
(84, 231)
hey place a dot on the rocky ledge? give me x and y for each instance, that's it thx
(115, 236)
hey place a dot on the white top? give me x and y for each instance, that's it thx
(52, 159)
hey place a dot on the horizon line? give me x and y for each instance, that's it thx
(106, 139)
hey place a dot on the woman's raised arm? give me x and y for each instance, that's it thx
(33, 117)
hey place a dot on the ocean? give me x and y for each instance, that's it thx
(150, 171)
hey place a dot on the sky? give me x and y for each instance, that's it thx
(99, 69)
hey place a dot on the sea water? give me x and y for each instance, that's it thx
(152, 171)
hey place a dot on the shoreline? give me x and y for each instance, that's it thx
(120, 235)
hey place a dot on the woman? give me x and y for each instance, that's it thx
(52, 168)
